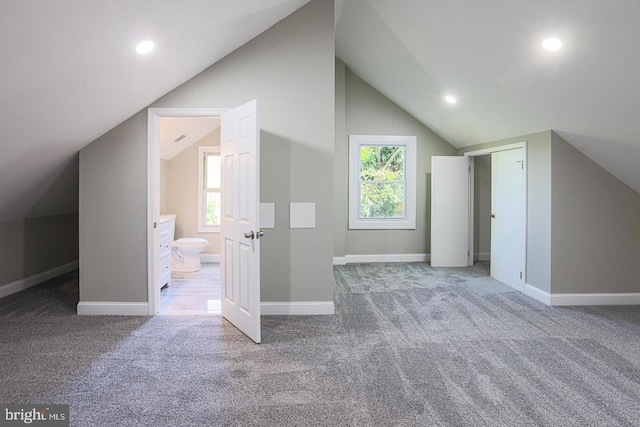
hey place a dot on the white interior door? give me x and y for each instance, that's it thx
(508, 220)
(240, 228)
(449, 211)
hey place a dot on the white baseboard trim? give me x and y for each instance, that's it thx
(210, 258)
(582, 299)
(111, 308)
(352, 259)
(339, 260)
(305, 308)
(596, 299)
(22, 284)
(483, 256)
(535, 293)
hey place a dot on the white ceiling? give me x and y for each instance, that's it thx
(488, 53)
(192, 128)
(69, 73)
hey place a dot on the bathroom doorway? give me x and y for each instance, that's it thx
(238, 193)
(189, 196)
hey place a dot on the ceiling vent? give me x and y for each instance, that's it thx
(180, 138)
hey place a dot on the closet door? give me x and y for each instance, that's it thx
(450, 211)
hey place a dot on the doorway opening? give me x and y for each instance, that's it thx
(481, 191)
(498, 211)
(184, 281)
(190, 194)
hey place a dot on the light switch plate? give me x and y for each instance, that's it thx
(302, 215)
(267, 215)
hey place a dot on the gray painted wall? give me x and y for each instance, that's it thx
(35, 245)
(290, 70)
(164, 197)
(538, 204)
(182, 192)
(113, 217)
(595, 228)
(368, 112)
(48, 237)
(61, 196)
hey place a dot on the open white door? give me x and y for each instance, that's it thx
(240, 228)
(508, 220)
(449, 211)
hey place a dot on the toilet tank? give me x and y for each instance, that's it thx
(172, 218)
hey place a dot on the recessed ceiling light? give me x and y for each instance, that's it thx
(552, 44)
(145, 47)
(450, 99)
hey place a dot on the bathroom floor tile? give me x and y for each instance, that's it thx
(192, 293)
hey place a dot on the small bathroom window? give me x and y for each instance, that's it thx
(208, 189)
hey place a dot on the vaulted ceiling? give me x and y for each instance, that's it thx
(488, 54)
(69, 71)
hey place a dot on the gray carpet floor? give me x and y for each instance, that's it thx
(409, 346)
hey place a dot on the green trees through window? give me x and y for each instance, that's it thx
(382, 181)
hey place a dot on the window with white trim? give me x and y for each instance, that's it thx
(208, 189)
(382, 182)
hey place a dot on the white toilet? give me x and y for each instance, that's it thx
(185, 252)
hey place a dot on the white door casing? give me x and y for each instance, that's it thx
(240, 228)
(508, 217)
(449, 211)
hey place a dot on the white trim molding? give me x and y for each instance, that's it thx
(582, 299)
(495, 149)
(352, 259)
(535, 293)
(112, 308)
(36, 279)
(295, 308)
(596, 299)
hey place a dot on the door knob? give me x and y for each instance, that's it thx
(249, 235)
(259, 234)
(491, 215)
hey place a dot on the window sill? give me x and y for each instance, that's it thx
(208, 230)
(378, 224)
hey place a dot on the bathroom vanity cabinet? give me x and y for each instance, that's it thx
(164, 232)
